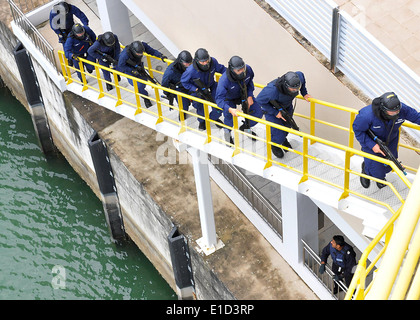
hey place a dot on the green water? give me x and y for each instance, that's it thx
(54, 240)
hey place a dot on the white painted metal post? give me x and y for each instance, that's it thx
(300, 221)
(204, 197)
(115, 17)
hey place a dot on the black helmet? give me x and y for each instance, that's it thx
(78, 31)
(137, 49)
(292, 81)
(108, 39)
(61, 6)
(389, 102)
(201, 55)
(184, 57)
(236, 63)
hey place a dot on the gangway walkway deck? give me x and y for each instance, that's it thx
(328, 165)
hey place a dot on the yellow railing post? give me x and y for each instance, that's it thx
(305, 160)
(138, 103)
(100, 84)
(149, 65)
(207, 122)
(181, 114)
(351, 132)
(63, 64)
(83, 73)
(345, 194)
(312, 120)
(268, 144)
(236, 136)
(159, 106)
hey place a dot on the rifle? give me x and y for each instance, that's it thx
(142, 71)
(245, 106)
(108, 57)
(170, 96)
(285, 115)
(386, 151)
(203, 91)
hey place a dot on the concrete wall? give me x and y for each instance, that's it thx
(242, 27)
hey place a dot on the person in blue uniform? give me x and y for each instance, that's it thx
(343, 260)
(203, 68)
(384, 117)
(77, 44)
(282, 90)
(131, 59)
(107, 44)
(236, 86)
(62, 19)
(172, 77)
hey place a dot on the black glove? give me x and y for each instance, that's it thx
(322, 268)
(135, 73)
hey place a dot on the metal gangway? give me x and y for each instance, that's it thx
(331, 166)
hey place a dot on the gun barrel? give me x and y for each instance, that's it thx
(388, 154)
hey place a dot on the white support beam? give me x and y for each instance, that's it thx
(300, 221)
(115, 17)
(209, 242)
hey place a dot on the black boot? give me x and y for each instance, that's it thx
(381, 185)
(109, 87)
(202, 125)
(243, 127)
(278, 152)
(364, 181)
(287, 144)
(147, 103)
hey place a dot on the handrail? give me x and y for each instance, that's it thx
(396, 252)
(37, 38)
(349, 151)
(395, 248)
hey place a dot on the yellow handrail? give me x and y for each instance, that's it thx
(349, 151)
(396, 251)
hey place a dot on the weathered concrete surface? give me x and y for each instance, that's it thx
(247, 265)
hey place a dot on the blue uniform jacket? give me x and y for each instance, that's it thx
(55, 21)
(113, 51)
(231, 91)
(173, 76)
(344, 258)
(125, 55)
(270, 92)
(206, 77)
(366, 119)
(79, 47)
